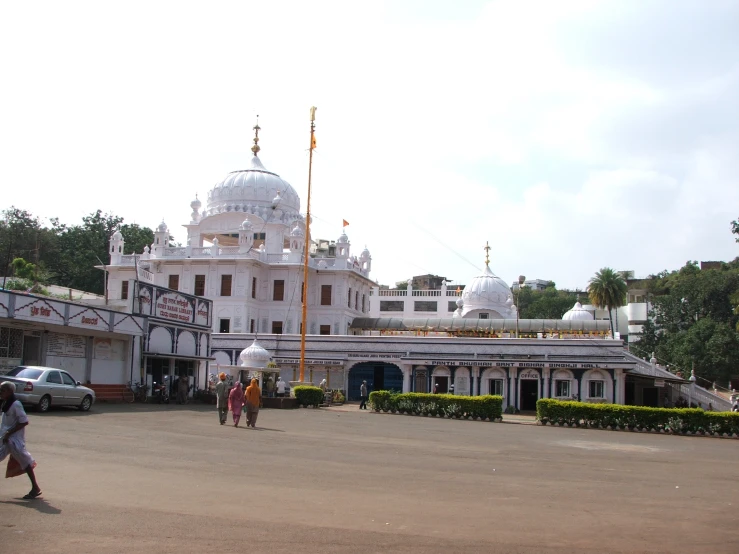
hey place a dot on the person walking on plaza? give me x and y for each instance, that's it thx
(236, 402)
(280, 387)
(13, 431)
(363, 395)
(222, 398)
(183, 387)
(253, 399)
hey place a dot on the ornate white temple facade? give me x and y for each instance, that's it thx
(244, 251)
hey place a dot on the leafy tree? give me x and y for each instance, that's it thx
(735, 228)
(136, 237)
(83, 247)
(709, 346)
(607, 289)
(693, 321)
(22, 235)
(24, 269)
(549, 303)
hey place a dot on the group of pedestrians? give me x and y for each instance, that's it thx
(237, 399)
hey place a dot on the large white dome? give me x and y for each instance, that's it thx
(249, 189)
(488, 293)
(578, 313)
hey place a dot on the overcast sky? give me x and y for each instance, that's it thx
(571, 135)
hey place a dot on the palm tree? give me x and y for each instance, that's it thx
(607, 289)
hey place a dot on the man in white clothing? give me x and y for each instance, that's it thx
(280, 387)
(13, 432)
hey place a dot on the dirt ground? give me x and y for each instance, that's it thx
(140, 478)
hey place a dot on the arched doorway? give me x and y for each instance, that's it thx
(379, 376)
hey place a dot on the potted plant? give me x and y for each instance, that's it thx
(337, 397)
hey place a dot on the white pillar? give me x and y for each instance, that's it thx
(545, 393)
(512, 373)
(475, 372)
(406, 378)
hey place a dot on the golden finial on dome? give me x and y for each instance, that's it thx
(256, 148)
(487, 253)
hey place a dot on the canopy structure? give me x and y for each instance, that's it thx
(453, 325)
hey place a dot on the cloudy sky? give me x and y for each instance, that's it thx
(570, 135)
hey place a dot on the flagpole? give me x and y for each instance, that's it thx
(306, 250)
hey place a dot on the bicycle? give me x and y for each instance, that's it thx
(135, 391)
(129, 393)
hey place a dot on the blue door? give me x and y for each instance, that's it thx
(379, 376)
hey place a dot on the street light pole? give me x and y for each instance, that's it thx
(521, 280)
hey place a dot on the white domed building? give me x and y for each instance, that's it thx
(244, 251)
(244, 254)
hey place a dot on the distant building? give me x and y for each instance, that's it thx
(534, 284)
(428, 282)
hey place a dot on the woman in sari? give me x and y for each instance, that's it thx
(236, 402)
(253, 399)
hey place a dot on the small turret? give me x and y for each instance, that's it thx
(116, 248)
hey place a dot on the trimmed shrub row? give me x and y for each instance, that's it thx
(449, 405)
(640, 418)
(308, 396)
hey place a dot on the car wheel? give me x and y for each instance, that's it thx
(86, 404)
(44, 404)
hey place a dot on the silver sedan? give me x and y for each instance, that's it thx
(45, 387)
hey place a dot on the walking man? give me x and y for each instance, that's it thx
(222, 398)
(253, 400)
(13, 430)
(363, 395)
(183, 387)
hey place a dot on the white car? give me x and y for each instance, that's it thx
(44, 387)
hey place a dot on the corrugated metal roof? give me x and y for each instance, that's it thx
(474, 324)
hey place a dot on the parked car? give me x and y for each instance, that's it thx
(44, 387)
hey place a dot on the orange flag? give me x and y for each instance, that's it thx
(345, 222)
(312, 140)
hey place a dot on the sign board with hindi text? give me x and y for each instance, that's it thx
(173, 306)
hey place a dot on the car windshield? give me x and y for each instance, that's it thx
(25, 372)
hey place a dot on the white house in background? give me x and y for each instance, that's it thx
(244, 252)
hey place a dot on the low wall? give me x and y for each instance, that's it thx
(284, 403)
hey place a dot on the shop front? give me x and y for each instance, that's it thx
(95, 345)
(176, 338)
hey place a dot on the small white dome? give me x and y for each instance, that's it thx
(162, 227)
(343, 239)
(117, 236)
(578, 313)
(365, 254)
(196, 204)
(246, 225)
(297, 232)
(255, 356)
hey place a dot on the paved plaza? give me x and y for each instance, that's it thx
(140, 478)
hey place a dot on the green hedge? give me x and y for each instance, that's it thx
(464, 407)
(308, 396)
(669, 420)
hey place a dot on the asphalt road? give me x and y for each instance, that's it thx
(170, 479)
